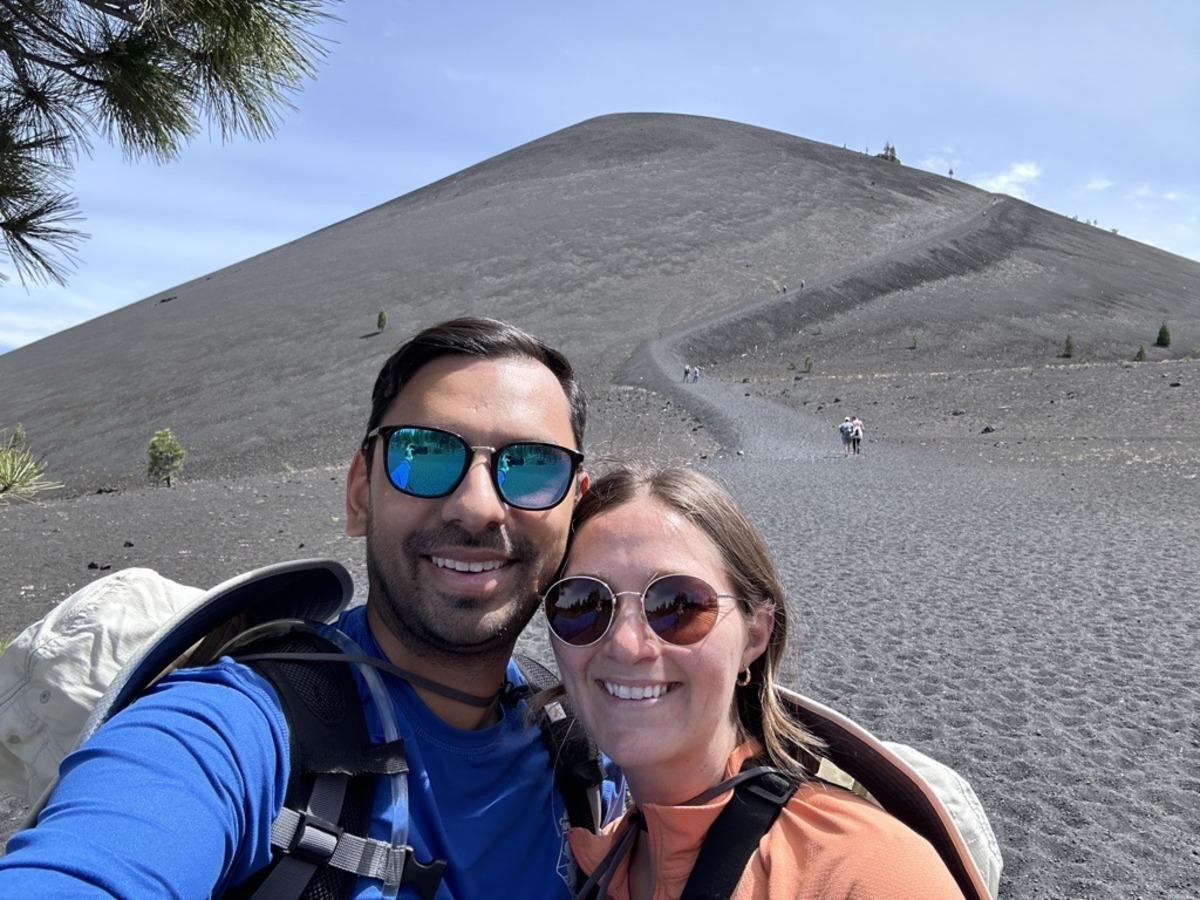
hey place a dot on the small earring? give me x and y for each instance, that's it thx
(743, 678)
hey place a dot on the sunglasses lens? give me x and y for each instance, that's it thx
(681, 609)
(425, 462)
(579, 610)
(534, 476)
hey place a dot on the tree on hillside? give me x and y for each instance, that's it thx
(889, 153)
(141, 73)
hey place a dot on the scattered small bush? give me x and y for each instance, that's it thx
(808, 363)
(381, 320)
(1140, 356)
(164, 458)
(22, 475)
(913, 345)
(1068, 348)
(1164, 336)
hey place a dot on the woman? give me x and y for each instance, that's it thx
(669, 625)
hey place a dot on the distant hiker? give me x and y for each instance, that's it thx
(846, 428)
(674, 675)
(856, 434)
(687, 374)
(695, 373)
(180, 793)
(801, 284)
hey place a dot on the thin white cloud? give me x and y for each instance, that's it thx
(1099, 184)
(940, 164)
(1147, 192)
(1012, 181)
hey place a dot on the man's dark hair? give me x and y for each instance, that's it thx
(483, 339)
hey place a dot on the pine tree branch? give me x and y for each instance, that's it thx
(120, 11)
(43, 28)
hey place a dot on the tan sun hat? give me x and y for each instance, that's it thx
(63, 676)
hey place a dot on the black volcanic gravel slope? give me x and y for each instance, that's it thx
(594, 237)
(597, 237)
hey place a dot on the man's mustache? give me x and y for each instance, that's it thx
(496, 539)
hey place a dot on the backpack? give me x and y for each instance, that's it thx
(928, 796)
(64, 676)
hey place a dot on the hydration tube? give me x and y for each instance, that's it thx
(391, 732)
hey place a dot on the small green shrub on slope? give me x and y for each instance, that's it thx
(164, 457)
(1164, 336)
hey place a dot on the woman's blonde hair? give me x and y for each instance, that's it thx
(748, 565)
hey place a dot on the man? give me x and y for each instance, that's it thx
(176, 794)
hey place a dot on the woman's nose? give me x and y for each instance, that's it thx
(630, 638)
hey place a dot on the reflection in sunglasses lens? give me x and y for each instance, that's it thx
(579, 610)
(681, 609)
(536, 476)
(425, 462)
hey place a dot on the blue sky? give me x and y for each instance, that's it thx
(1086, 108)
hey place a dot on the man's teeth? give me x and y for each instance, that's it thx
(460, 566)
(626, 692)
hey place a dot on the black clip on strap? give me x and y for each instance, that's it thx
(425, 877)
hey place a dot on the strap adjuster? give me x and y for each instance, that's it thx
(314, 840)
(772, 787)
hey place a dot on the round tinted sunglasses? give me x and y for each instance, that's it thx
(430, 462)
(680, 609)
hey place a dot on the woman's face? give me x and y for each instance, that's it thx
(684, 724)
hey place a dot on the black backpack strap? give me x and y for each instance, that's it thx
(334, 767)
(578, 765)
(736, 833)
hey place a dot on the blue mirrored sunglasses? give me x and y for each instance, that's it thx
(429, 462)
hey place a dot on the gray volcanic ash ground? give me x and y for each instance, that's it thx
(1007, 578)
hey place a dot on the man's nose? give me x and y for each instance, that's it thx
(475, 505)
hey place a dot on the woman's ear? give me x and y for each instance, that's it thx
(758, 632)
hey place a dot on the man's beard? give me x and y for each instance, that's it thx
(433, 625)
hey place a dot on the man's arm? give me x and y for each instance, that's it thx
(174, 797)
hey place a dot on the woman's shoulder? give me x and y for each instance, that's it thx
(829, 842)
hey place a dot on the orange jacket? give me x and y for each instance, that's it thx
(826, 843)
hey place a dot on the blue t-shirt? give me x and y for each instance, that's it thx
(175, 796)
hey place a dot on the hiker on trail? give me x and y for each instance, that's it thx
(846, 429)
(695, 373)
(687, 374)
(176, 794)
(669, 626)
(856, 434)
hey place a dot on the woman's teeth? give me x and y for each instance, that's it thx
(627, 692)
(459, 566)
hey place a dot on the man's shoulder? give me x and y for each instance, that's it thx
(240, 694)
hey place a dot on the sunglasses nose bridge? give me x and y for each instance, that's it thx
(629, 633)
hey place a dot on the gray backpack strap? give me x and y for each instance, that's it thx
(310, 840)
(307, 840)
(316, 837)
(578, 765)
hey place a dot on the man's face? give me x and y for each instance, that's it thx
(416, 546)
